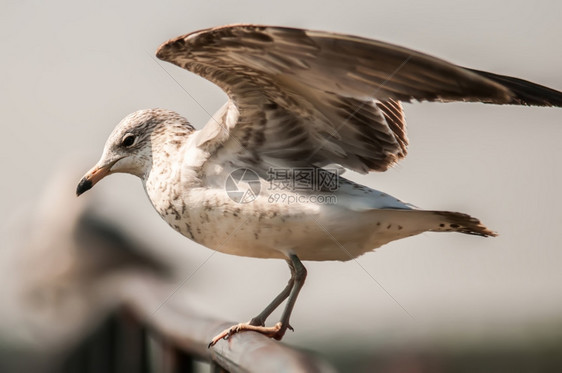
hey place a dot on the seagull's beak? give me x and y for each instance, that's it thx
(92, 177)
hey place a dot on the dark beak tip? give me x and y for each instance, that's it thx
(83, 186)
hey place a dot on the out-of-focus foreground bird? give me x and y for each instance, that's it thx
(63, 271)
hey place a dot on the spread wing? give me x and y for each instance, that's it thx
(301, 97)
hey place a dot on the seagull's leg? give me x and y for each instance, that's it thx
(291, 291)
(259, 320)
(298, 272)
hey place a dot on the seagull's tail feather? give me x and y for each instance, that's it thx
(525, 92)
(458, 222)
(398, 223)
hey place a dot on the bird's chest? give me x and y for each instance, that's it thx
(170, 196)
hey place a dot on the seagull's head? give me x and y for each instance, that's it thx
(130, 146)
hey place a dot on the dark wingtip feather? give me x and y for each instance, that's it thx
(525, 92)
(462, 223)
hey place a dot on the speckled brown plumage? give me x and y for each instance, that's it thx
(303, 105)
(342, 91)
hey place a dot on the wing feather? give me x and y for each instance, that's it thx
(314, 98)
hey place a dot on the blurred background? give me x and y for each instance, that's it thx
(435, 302)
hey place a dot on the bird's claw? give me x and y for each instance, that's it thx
(276, 331)
(225, 334)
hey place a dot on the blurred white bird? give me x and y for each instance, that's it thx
(63, 271)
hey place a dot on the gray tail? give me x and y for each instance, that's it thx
(525, 92)
(462, 223)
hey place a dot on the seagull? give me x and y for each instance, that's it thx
(263, 177)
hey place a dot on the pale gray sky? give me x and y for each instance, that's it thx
(69, 72)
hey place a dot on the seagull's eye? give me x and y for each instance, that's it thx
(128, 140)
